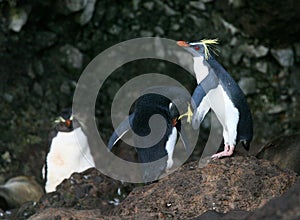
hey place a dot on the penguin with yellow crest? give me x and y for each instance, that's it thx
(218, 91)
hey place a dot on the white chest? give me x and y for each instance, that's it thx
(69, 153)
(200, 69)
(221, 104)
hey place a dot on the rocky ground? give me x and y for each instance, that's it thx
(239, 186)
(45, 46)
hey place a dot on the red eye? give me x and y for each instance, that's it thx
(197, 48)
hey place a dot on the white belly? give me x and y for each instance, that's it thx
(200, 69)
(69, 153)
(226, 112)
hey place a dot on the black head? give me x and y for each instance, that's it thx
(198, 49)
(64, 122)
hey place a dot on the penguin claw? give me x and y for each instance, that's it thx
(228, 151)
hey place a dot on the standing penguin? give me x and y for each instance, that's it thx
(146, 106)
(218, 91)
(69, 151)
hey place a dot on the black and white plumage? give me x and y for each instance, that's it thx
(218, 91)
(69, 151)
(146, 106)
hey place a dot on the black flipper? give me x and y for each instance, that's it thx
(120, 131)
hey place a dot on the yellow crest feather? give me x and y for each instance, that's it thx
(206, 43)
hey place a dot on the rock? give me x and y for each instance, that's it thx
(283, 207)
(262, 67)
(231, 215)
(76, 5)
(115, 30)
(18, 17)
(236, 183)
(8, 97)
(277, 108)
(285, 57)
(149, 5)
(236, 3)
(198, 5)
(233, 30)
(88, 190)
(44, 39)
(87, 13)
(297, 51)
(37, 88)
(19, 190)
(283, 151)
(274, 22)
(65, 213)
(252, 51)
(71, 57)
(248, 86)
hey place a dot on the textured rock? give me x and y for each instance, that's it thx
(285, 207)
(88, 190)
(285, 57)
(248, 85)
(231, 215)
(19, 190)
(87, 13)
(71, 57)
(283, 151)
(242, 183)
(18, 17)
(267, 20)
(252, 51)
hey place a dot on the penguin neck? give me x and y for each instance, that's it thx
(200, 68)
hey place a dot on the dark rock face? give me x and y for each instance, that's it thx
(231, 215)
(82, 191)
(284, 207)
(283, 151)
(238, 183)
(265, 20)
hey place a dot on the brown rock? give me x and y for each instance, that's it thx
(89, 190)
(236, 183)
(286, 206)
(283, 151)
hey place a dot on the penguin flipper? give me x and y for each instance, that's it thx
(122, 129)
(185, 140)
(200, 113)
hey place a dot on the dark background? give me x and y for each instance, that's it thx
(41, 63)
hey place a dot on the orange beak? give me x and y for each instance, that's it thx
(182, 44)
(174, 122)
(68, 123)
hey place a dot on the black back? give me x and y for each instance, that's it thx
(145, 107)
(245, 124)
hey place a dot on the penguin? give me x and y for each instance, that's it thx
(18, 190)
(217, 90)
(69, 151)
(151, 103)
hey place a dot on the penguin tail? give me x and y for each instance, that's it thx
(246, 144)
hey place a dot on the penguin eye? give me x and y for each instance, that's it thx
(197, 48)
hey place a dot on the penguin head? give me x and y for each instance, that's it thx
(65, 122)
(198, 49)
(174, 113)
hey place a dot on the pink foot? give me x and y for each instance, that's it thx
(228, 151)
